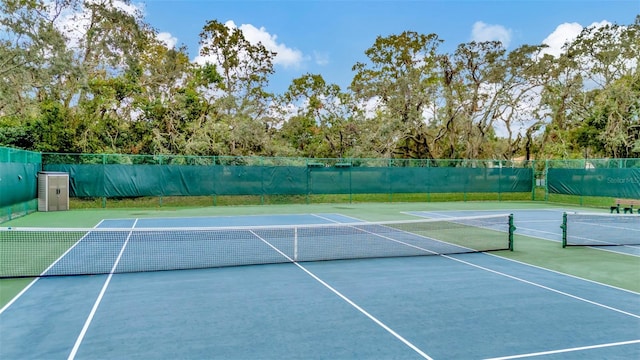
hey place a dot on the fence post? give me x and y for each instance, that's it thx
(499, 180)
(389, 178)
(161, 187)
(104, 191)
(350, 182)
(546, 180)
(261, 162)
(308, 172)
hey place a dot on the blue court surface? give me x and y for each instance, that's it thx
(464, 306)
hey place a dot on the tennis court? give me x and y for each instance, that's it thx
(371, 301)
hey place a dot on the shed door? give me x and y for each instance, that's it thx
(63, 192)
(57, 194)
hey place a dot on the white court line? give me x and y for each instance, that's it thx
(554, 271)
(355, 226)
(330, 220)
(349, 301)
(538, 231)
(454, 259)
(355, 218)
(15, 298)
(72, 355)
(518, 227)
(612, 249)
(563, 274)
(212, 216)
(566, 350)
(605, 243)
(544, 287)
(498, 273)
(600, 248)
(540, 285)
(538, 221)
(533, 283)
(520, 279)
(524, 281)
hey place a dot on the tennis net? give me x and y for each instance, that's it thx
(38, 252)
(596, 229)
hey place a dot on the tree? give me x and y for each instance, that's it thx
(518, 100)
(482, 77)
(591, 95)
(322, 125)
(612, 128)
(240, 98)
(108, 48)
(402, 77)
(33, 57)
(78, 76)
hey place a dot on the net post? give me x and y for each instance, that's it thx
(295, 244)
(512, 229)
(564, 229)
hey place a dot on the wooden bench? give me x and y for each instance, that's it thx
(627, 205)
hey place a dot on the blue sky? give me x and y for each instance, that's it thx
(328, 37)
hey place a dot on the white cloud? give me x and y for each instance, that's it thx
(285, 56)
(167, 39)
(482, 32)
(564, 34)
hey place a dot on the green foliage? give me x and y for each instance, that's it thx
(52, 131)
(118, 89)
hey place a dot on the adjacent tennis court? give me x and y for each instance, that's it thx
(262, 286)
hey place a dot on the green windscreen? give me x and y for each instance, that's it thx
(614, 182)
(132, 180)
(18, 176)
